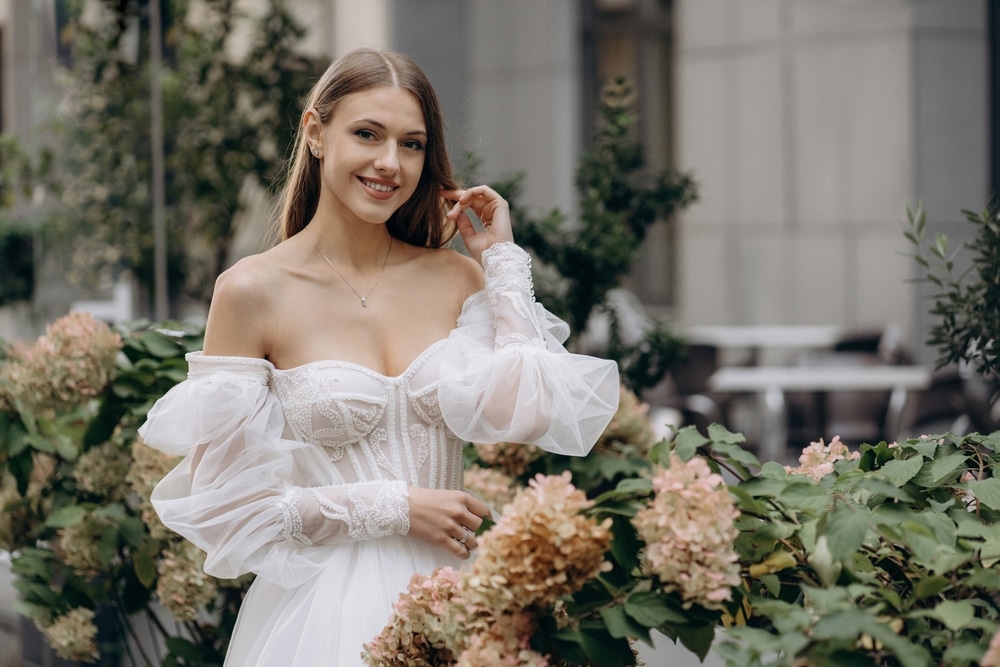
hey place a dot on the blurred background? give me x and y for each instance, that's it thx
(141, 144)
(809, 126)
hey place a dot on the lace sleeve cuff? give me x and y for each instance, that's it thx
(352, 512)
(507, 271)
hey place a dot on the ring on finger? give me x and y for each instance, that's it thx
(465, 538)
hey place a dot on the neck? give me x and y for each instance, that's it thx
(360, 250)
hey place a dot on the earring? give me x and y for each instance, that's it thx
(316, 152)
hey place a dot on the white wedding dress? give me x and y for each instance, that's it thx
(301, 475)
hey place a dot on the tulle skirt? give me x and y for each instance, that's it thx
(328, 619)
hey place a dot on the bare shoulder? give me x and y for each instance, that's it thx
(460, 271)
(242, 307)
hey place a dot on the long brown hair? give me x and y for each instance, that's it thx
(420, 220)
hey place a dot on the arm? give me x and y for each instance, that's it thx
(506, 375)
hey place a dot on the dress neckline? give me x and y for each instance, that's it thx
(427, 352)
(409, 370)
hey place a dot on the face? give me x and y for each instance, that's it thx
(372, 153)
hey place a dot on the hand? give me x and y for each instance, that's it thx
(448, 519)
(490, 207)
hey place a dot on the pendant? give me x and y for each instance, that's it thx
(364, 302)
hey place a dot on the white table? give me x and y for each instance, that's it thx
(755, 337)
(771, 382)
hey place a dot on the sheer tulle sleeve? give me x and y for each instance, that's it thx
(506, 375)
(251, 499)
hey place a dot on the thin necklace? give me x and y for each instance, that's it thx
(364, 299)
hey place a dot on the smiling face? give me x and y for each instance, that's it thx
(372, 154)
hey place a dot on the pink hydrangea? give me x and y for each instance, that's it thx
(818, 458)
(689, 531)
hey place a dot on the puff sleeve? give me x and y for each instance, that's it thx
(506, 375)
(252, 499)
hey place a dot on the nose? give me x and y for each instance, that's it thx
(387, 160)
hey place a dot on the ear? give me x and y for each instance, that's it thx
(312, 128)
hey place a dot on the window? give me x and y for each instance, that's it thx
(634, 39)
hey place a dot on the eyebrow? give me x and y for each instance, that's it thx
(381, 126)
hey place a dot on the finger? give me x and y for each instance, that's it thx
(478, 507)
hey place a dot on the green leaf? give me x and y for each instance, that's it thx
(40, 443)
(955, 614)
(845, 530)
(687, 441)
(698, 639)
(901, 471)
(29, 564)
(625, 544)
(595, 645)
(843, 626)
(908, 653)
(986, 491)
(107, 547)
(939, 471)
(184, 648)
(930, 586)
(989, 553)
(70, 515)
(160, 345)
(145, 567)
(652, 609)
(620, 625)
(719, 434)
(133, 530)
(35, 612)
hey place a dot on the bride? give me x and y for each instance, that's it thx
(322, 425)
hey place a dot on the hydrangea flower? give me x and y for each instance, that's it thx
(541, 548)
(73, 362)
(689, 531)
(818, 458)
(73, 635)
(181, 584)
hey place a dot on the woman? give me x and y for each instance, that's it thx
(323, 424)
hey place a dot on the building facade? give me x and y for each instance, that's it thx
(809, 125)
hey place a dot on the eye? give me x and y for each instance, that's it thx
(367, 135)
(413, 145)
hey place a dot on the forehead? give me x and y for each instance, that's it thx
(387, 105)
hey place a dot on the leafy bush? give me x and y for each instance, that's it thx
(74, 496)
(966, 303)
(883, 556)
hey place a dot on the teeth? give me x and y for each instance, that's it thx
(376, 186)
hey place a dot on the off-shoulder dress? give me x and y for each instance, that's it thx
(300, 475)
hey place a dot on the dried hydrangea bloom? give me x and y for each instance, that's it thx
(73, 362)
(181, 584)
(511, 458)
(102, 471)
(20, 516)
(506, 642)
(495, 487)
(73, 635)
(541, 549)
(79, 545)
(818, 458)
(689, 531)
(629, 428)
(425, 623)
(149, 466)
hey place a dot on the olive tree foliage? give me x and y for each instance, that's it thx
(231, 88)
